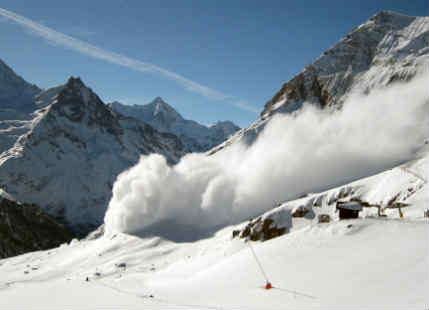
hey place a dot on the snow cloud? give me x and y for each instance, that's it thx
(311, 151)
(82, 47)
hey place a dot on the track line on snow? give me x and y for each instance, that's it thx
(295, 292)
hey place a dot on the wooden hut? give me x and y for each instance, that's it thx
(349, 209)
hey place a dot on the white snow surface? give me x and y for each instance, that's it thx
(366, 263)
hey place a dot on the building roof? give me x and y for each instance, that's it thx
(350, 205)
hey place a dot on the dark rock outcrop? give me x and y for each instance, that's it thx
(25, 228)
(261, 230)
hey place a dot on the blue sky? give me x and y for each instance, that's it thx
(211, 60)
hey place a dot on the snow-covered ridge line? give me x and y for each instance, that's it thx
(164, 118)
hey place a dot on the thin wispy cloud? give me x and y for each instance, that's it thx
(244, 105)
(79, 31)
(82, 47)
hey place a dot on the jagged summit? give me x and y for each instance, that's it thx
(15, 92)
(158, 100)
(359, 60)
(75, 82)
(159, 108)
(163, 117)
(48, 95)
(387, 48)
(385, 16)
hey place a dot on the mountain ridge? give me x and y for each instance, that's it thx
(388, 48)
(79, 146)
(15, 92)
(164, 118)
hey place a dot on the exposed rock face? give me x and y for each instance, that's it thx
(16, 95)
(324, 218)
(388, 48)
(388, 39)
(262, 230)
(16, 106)
(303, 211)
(25, 228)
(69, 160)
(45, 97)
(268, 226)
(164, 118)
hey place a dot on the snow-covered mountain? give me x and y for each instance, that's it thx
(164, 118)
(388, 48)
(16, 95)
(74, 150)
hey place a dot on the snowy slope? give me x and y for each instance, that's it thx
(380, 194)
(388, 48)
(371, 262)
(11, 129)
(163, 117)
(76, 147)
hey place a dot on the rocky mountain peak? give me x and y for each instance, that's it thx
(389, 17)
(80, 104)
(15, 92)
(387, 40)
(158, 100)
(162, 109)
(75, 83)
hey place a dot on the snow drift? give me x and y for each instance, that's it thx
(295, 154)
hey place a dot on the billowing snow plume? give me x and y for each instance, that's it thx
(294, 155)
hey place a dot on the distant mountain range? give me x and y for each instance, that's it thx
(164, 118)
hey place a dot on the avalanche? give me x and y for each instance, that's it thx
(316, 150)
